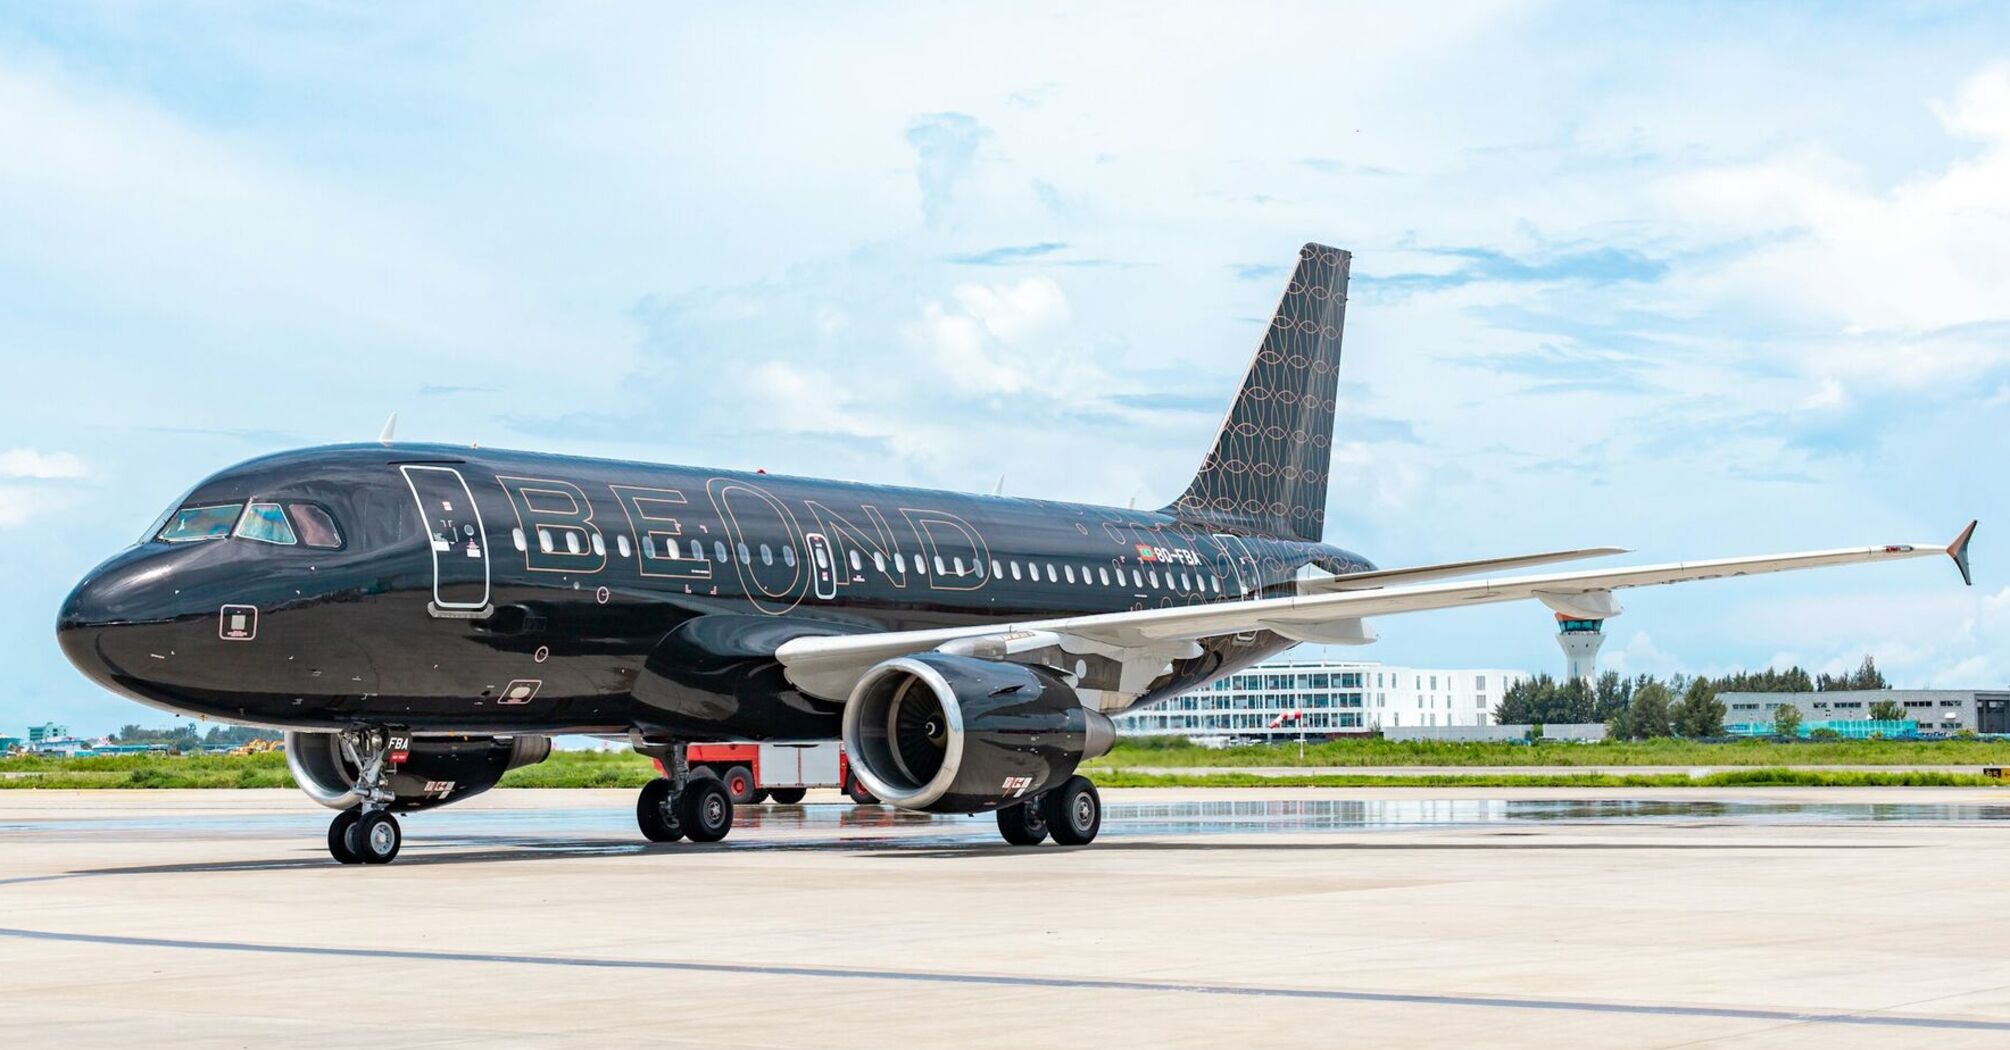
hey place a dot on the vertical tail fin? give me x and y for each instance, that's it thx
(1267, 472)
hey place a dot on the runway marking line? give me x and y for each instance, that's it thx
(1027, 981)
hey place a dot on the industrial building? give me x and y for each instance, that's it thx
(1325, 698)
(1930, 711)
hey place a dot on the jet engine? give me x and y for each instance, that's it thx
(955, 734)
(434, 771)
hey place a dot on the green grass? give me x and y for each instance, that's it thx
(1176, 752)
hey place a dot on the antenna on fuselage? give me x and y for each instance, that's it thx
(1000, 490)
(390, 430)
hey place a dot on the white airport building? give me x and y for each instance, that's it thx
(1323, 698)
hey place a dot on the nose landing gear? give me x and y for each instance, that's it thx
(678, 805)
(367, 833)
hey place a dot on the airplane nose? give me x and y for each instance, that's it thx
(113, 595)
(84, 617)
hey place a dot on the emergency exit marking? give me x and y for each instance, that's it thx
(238, 623)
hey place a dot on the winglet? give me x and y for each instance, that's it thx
(1958, 550)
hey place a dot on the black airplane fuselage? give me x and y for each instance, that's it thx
(485, 591)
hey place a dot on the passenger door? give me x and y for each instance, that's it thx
(455, 536)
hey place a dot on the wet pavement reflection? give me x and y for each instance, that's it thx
(846, 821)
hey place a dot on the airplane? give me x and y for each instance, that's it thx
(422, 618)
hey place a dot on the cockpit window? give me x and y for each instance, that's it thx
(266, 523)
(317, 529)
(190, 524)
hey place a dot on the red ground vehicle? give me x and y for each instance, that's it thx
(783, 772)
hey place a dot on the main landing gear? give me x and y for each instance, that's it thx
(367, 833)
(1072, 813)
(679, 805)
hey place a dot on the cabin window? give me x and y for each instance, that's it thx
(516, 539)
(200, 523)
(572, 544)
(1185, 582)
(1103, 575)
(1137, 578)
(939, 570)
(855, 566)
(620, 545)
(767, 555)
(1214, 582)
(789, 555)
(997, 570)
(956, 564)
(1015, 570)
(266, 523)
(746, 558)
(600, 546)
(878, 561)
(544, 541)
(1052, 577)
(920, 566)
(316, 526)
(1153, 575)
(977, 567)
(719, 551)
(823, 562)
(1069, 571)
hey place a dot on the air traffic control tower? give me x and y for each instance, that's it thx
(1579, 640)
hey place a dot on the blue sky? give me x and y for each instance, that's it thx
(1698, 280)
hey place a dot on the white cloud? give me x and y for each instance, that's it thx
(1013, 312)
(32, 463)
(1907, 283)
(1831, 396)
(998, 338)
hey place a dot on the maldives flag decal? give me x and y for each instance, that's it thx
(1145, 553)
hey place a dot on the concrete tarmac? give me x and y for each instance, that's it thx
(1201, 918)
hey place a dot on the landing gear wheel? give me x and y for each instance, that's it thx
(1024, 824)
(740, 785)
(1074, 812)
(655, 814)
(857, 790)
(377, 838)
(338, 837)
(705, 810)
(787, 796)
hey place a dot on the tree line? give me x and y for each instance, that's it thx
(1644, 707)
(190, 738)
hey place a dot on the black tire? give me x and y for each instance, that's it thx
(787, 796)
(654, 814)
(378, 838)
(1024, 824)
(858, 792)
(704, 773)
(705, 810)
(762, 796)
(739, 781)
(1074, 812)
(338, 837)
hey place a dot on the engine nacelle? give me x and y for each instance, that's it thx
(436, 770)
(955, 734)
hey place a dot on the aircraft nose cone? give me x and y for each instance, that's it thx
(113, 595)
(82, 620)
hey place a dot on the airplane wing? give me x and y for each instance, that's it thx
(1361, 581)
(828, 665)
